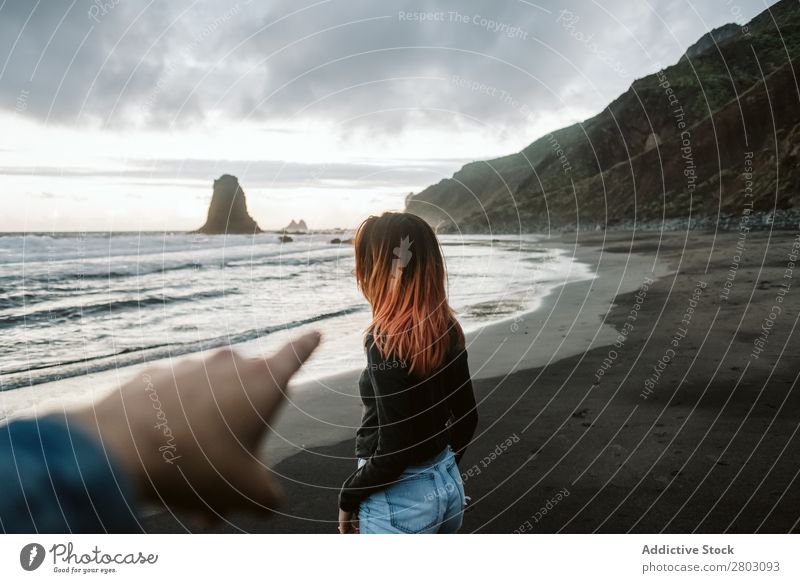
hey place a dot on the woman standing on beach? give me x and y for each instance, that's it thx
(418, 406)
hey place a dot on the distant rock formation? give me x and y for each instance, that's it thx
(227, 212)
(296, 227)
(285, 239)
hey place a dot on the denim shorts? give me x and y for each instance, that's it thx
(426, 498)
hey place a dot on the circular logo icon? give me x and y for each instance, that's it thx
(31, 556)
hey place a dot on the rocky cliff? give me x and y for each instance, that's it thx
(714, 37)
(715, 134)
(227, 212)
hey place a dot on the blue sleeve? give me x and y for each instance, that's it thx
(56, 479)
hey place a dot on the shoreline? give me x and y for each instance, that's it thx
(321, 412)
(70, 390)
(319, 422)
(712, 448)
(325, 411)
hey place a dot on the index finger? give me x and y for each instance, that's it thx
(281, 366)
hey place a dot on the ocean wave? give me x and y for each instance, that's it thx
(34, 375)
(144, 269)
(63, 314)
(85, 274)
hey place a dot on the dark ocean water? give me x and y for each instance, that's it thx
(72, 304)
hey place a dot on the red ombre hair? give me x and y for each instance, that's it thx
(400, 270)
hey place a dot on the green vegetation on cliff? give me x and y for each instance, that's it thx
(680, 142)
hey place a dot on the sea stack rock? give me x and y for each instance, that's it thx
(227, 212)
(296, 227)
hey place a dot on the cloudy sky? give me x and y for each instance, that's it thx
(117, 115)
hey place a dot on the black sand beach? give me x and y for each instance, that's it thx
(687, 424)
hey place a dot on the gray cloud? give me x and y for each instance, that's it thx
(359, 63)
(261, 173)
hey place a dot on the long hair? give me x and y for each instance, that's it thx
(400, 270)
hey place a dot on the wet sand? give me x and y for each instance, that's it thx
(649, 399)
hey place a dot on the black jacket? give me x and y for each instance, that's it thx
(407, 420)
